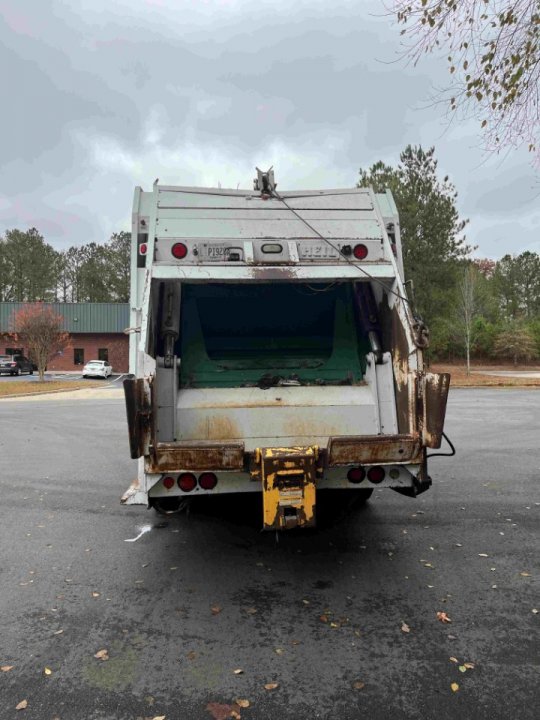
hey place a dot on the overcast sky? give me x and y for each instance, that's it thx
(102, 95)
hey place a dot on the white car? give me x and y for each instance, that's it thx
(97, 368)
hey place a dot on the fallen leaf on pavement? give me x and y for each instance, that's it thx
(462, 668)
(453, 659)
(271, 686)
(278, 651)
(47, 671)
(483, 555)
(22, 705)
(238, 671)
(455, 687)
(95, 594)
(58, 632)
(534, 611)
(220, 711)
(102, 655)
(191, 655)
(525, 574)
(251, 611)
(159, 717)
(242, 703)
(215, 609)
(235, 715)
(443, 617)
(405, 628)
(323, 618)
(358, 685)
(468, 665)
(6, 668)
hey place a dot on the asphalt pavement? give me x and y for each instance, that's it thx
(204, 609)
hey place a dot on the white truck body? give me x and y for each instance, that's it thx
(273, 349)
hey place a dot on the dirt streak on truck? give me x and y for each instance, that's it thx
(273, 350)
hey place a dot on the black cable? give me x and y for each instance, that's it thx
(336, 248)
(450, 454)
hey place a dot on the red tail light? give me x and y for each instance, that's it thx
(187, 482)
(208, 481)
(376, 474)
(356, 475)
(168, 482)
(179, 251)
(143, 247)
(360, 252)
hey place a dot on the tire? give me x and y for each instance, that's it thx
(169, 505)
(30, 372)
(363, 496)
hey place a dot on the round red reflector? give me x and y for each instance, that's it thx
(187, 482)
(356, 475)
(168, 482)
(376, 474)
(143, 248)
(179, 250)
(360, 252)
(207, 481)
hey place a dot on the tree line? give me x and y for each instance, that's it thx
(32, 270)
(475, 308)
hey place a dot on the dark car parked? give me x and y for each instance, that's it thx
(15, 364)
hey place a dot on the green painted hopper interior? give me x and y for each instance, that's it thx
(236, 335)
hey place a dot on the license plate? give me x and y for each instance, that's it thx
(317, 251)
(213, 252)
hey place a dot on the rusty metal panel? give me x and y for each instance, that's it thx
(281, 416)
(170, 457)
(370, 449)
(435, 394)
(139, 415)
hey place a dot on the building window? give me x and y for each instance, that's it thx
(14, 351)
(78, 356)
(103, 354)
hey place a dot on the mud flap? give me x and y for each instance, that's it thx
(288, 477)
(139, 415)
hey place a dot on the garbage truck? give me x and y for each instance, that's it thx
(274, 350)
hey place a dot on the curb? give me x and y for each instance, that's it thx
(46, 392)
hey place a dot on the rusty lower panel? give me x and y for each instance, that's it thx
(370, 449)
(435, 394)
(139, 415)
(193, 455)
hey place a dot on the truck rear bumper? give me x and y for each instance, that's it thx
(400, 460)
(231, 456)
